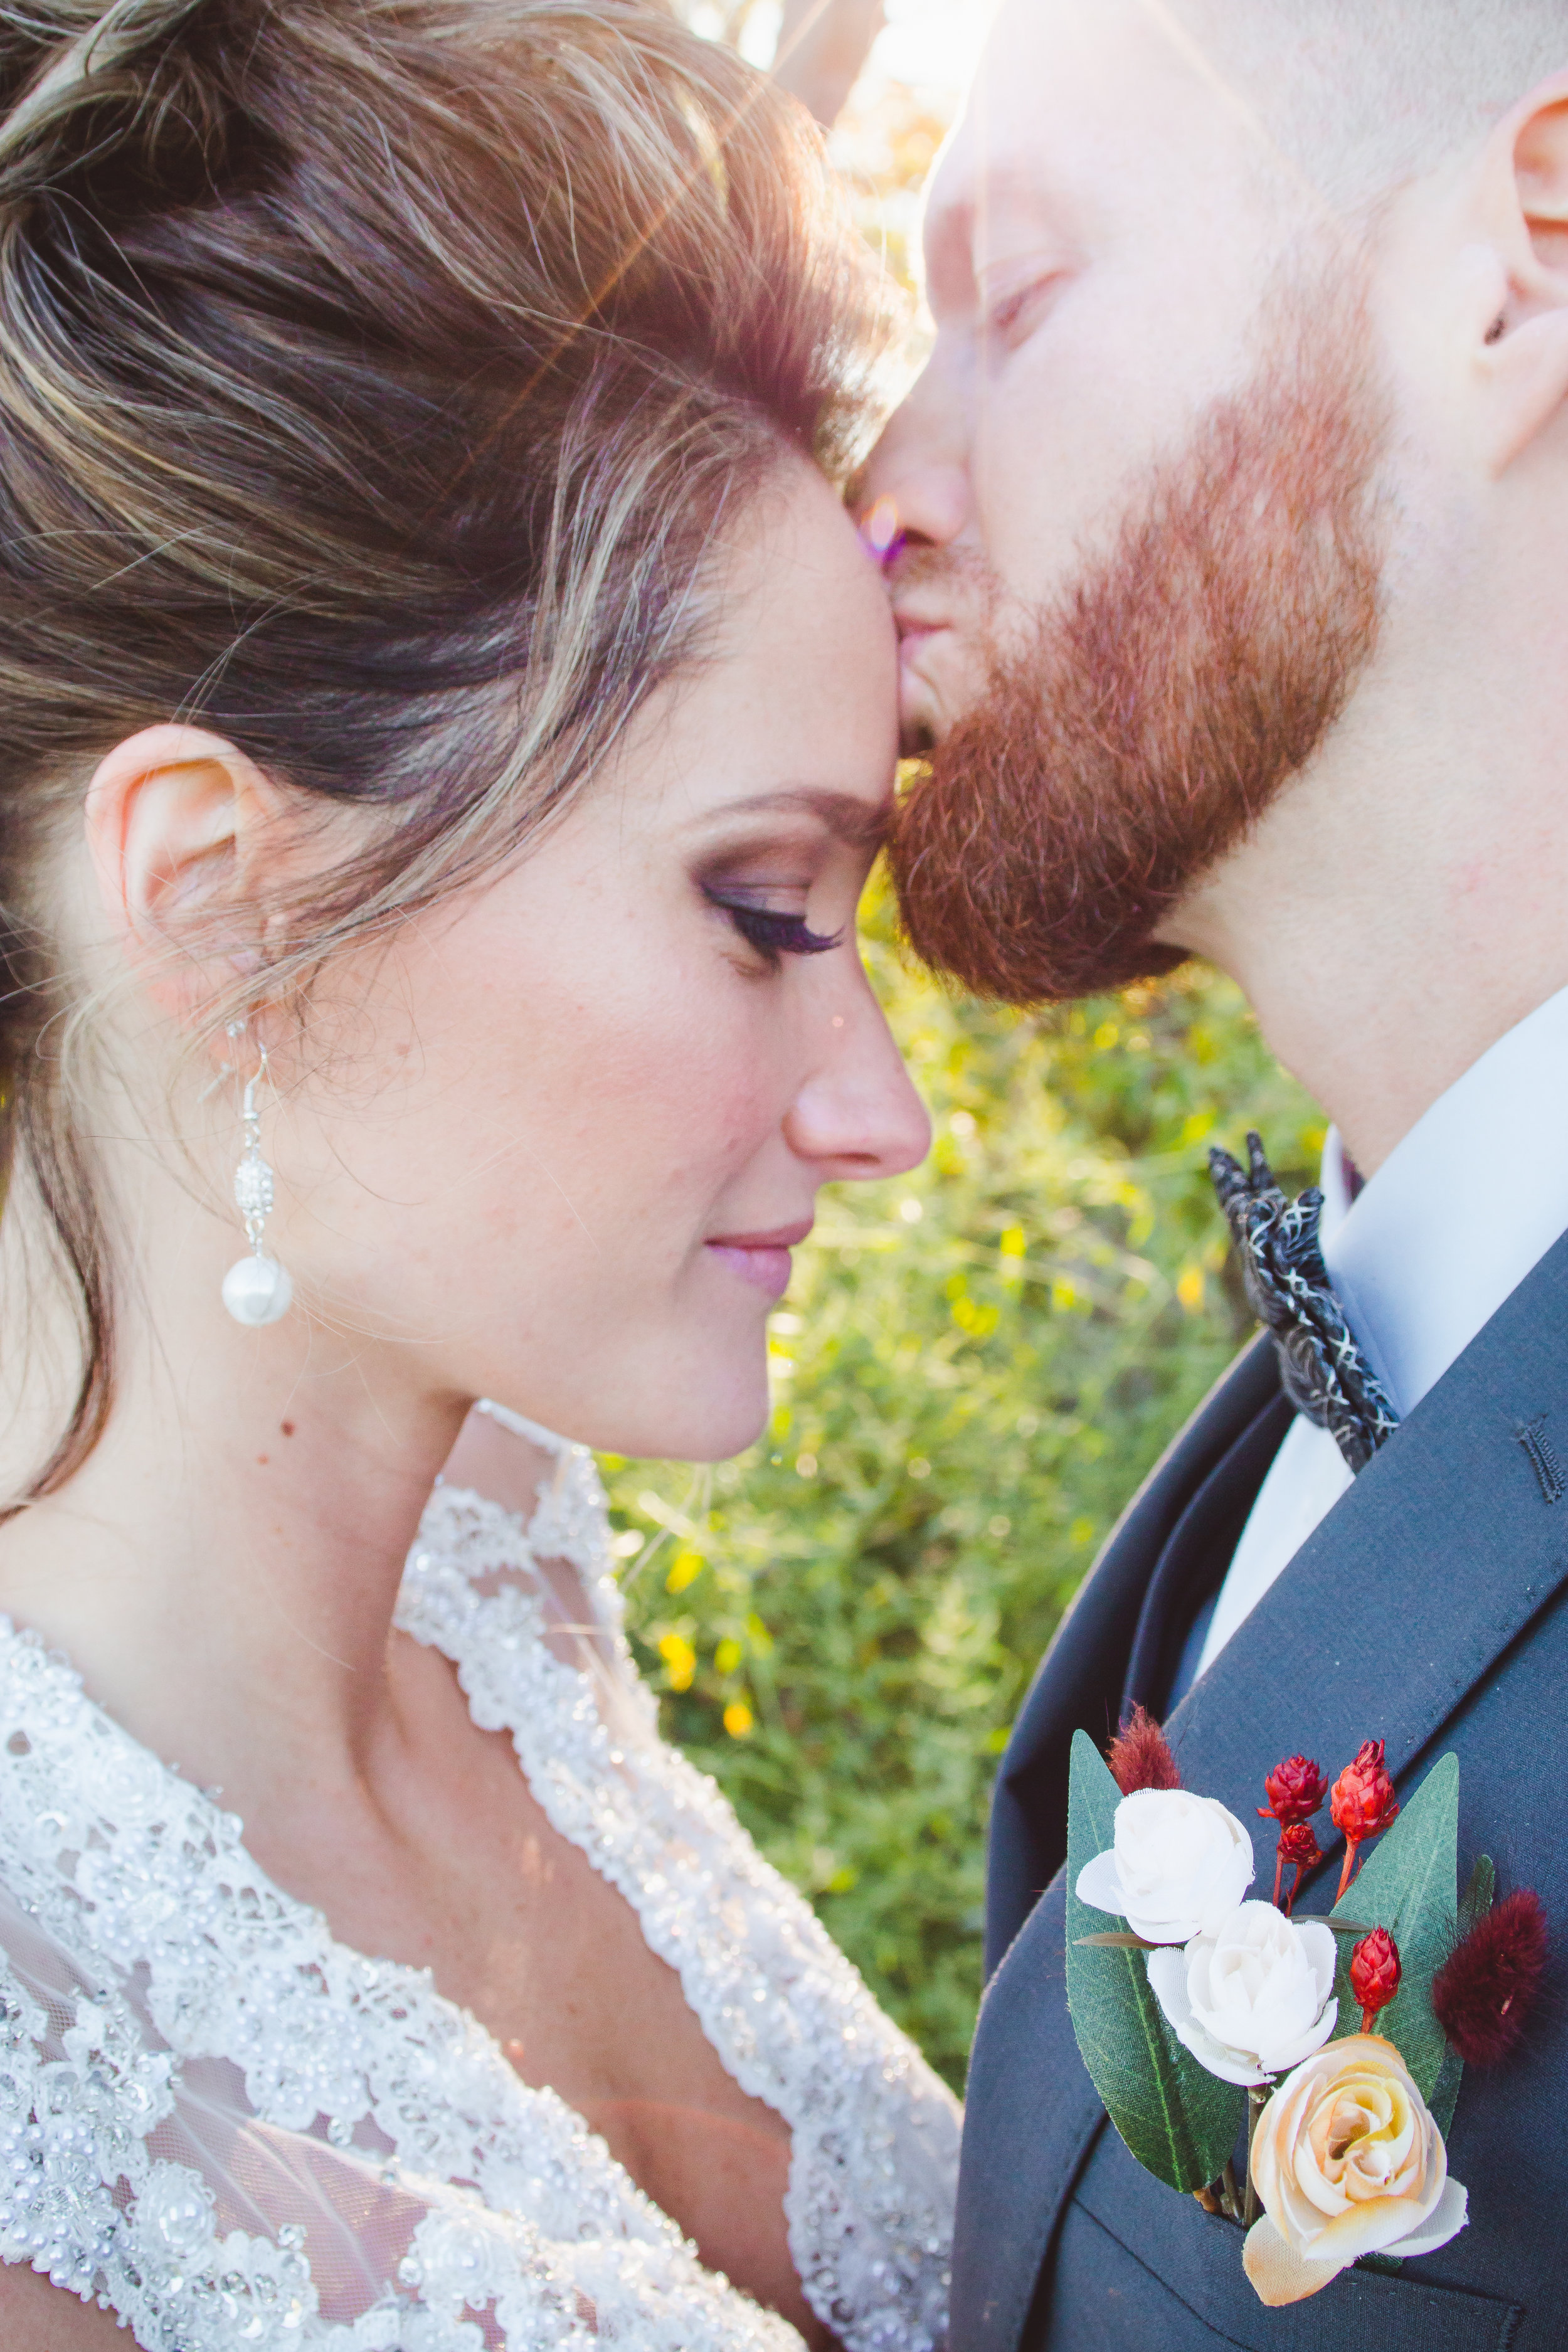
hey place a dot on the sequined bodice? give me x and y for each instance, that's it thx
(241, 2135)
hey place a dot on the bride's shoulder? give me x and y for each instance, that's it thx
(35, 2318)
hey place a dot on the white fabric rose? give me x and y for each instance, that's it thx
(1179, 1866)
(1249, 2002)
(1347, 2161)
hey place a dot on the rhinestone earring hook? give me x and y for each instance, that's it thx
(255, 1289)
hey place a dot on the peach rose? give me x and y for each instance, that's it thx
(1347, 2161)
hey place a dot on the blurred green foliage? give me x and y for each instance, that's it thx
(974, 1368)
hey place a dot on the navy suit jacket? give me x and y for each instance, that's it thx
(1429, 1609)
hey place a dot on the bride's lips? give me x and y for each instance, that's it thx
(762, 1259)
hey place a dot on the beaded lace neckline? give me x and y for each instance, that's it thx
(240, 2132)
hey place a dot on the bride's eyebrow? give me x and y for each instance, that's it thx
(843, 815)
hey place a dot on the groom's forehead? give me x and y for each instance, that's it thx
(1073, 101)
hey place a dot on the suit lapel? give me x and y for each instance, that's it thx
(1433, 1562)
(1083, 1674)
(1436, 1561)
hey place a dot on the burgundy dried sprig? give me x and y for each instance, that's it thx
(1300, 1846)
(1362, 1805)
(1375, 1971)
(1487, 1987)
(1140, 1755)
(1295, 1789)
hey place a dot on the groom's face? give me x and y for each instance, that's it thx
(1136, 572)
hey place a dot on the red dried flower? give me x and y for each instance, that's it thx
(1374, 1974)
(1140, 1755)
(1299, 1846)
(1362, 1804)
(1294, 1789)
(1486, 1988)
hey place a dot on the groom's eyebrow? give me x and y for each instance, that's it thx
(1015, 205)
(843, 815)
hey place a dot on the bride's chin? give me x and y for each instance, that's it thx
(695, 1413)
(732, 1425)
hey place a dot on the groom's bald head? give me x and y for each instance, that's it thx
(1362, 95)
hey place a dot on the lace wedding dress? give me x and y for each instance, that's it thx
(242, 2136)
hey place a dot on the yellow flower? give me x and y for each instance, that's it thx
(680, 1661)
(1347, 2161)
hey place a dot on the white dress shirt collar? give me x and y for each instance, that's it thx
(1421, 1257)
(1459, 1211)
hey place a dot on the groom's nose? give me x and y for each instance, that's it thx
(915, 491)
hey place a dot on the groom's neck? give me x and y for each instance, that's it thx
(1404, 904)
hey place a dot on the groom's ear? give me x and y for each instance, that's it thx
(1524, 197)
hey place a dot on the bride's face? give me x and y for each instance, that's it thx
(605, 1087)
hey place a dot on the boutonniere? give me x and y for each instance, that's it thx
(1325, 2053)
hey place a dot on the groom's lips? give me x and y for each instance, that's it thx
(916, 630)
(920, 694)
(914, 624)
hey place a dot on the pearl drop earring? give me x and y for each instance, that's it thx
(255, 1289)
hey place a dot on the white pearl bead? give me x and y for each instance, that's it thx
(257, 1290)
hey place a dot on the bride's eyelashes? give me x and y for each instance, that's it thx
(771, 931)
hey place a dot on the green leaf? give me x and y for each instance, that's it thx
(1444, 2097)
(1180, 2121)
(1479, 1896)
(1474, 1904)
(1408, 1886)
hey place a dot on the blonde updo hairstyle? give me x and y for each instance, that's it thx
(377, 378)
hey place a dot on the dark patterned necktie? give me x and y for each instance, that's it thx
(1321, 1367)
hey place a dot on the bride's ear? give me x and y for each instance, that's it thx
(181, 829)
(1525, 196)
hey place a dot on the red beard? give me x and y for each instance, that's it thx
(1166, 696)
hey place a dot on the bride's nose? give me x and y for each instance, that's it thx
(857, 1113)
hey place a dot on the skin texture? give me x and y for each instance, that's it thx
(1101, 236)
(505, 1147)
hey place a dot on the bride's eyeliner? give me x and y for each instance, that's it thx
(771, 932)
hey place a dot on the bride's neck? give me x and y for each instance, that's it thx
(224, 1567)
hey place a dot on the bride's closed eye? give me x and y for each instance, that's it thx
(773, 931)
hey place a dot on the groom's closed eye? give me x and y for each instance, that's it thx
(1015, 300)
(1014, 320)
